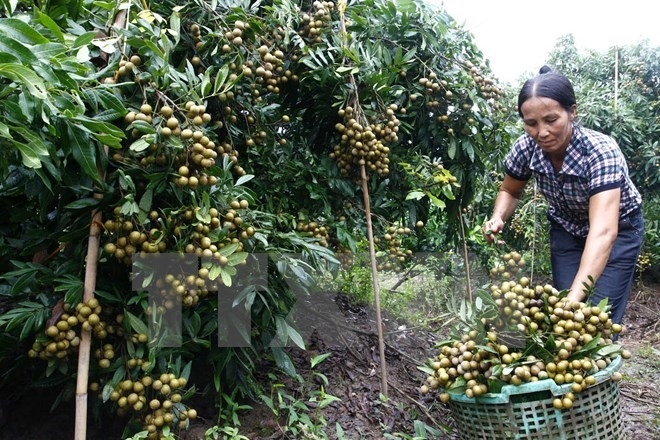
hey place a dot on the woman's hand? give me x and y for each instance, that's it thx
(491, 228)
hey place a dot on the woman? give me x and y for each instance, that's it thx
(596, 225)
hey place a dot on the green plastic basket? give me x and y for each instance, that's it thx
(526, 412)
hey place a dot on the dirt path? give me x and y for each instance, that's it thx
(362, 414)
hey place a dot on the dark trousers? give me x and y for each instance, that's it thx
(615, 282)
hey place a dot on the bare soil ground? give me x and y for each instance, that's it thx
(354, 376)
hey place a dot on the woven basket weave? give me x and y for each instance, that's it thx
(526, 412)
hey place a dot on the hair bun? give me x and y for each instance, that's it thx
(544, 69)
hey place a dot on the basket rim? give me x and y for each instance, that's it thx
(531, 387)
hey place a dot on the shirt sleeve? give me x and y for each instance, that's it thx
(517, 160)
(607, 166)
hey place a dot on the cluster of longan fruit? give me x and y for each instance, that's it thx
(523, 320)
(127, 66)
(200, 153)
(194, 234)
(126, 69)
(487, 87)
(441, 101)
(62, 337)
(270, 72)
(175, 126)
(265, 73)
(345, 256)
(437, 93)
(126, 237)
(158, 400)
(313, 229)
(200, 237)
(235, 35)
(509, 264)
(432, 86)
(364, 145)
(182, 289)
(196, 33)
(390, 243)
(644, 261)
(316, 20)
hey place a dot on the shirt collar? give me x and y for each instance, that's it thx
(573, 163)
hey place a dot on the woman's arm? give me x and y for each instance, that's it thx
(603, 230)
(505, 204)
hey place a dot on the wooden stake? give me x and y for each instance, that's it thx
(374, 276)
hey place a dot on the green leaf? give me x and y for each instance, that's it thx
(220, 78)
(104, 98)
(48, 52)
(30, 315)
(243, 179)
(319, 358)
(142, 127)
(205, 86)
(71, 286)
(451, 151)
(447, 192)
(155, 49)
(295, 336)
(83, 150)
(25, 77)
(436, 201)
(352, 70)
(109, 133)
(32, 150)
(283, 361)
(139, 145)
(6, 58)
(468, 148)
(9, 6)
(145, 200)
(136, 323)
(107, 45)
(226, 277)
(87, 202)
(192, 324)
(415, 195)
(4, 131)
(83, 40)
(18, 49)
(228, 250)
(49, 24)
(237, 258)
(327, 400)
(175, 25)
(21, 31)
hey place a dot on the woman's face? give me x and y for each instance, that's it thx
(548, 123)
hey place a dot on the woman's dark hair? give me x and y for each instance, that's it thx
(548, 84)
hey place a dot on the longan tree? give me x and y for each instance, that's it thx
(215, 131)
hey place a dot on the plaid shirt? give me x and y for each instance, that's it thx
(593, 163)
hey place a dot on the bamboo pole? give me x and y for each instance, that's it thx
(616, 77)
(374, 276)
(466, 259)
(341, 7)
(91, 260)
